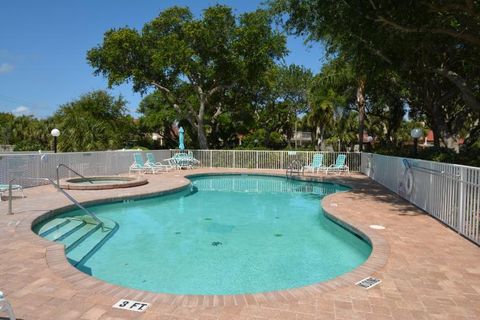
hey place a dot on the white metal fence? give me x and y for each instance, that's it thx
(44, 165)
(450, 193)
(267, 159)
(20, 166)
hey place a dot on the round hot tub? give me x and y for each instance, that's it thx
(100, 183)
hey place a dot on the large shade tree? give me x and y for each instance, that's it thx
(431, 46)
(192, 62)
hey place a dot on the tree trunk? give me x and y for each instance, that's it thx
(361, 111)
(201, 136)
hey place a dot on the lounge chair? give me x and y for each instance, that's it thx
(339, 166)
(316, 165)
(6, 307)
(15, 187)
(139, 165)
(151, 162)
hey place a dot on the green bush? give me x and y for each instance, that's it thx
(466, 156)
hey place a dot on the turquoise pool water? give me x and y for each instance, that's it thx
(229, 234)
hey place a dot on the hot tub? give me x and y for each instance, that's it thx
(101, 183)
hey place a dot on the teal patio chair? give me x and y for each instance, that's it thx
(339, 166)
(138, 165)
(316, 165)
(15, 187)
(151, 162)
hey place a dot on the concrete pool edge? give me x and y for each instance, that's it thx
(57, 261)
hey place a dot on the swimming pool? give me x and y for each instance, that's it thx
(226, 234)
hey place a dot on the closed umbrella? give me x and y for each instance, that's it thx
(181, 137)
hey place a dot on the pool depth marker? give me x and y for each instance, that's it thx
(131, 305)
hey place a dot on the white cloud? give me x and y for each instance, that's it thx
(5, 67)
(21, 110)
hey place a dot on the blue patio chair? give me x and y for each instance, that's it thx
(138, 165)
(339, 166)
(317, 163)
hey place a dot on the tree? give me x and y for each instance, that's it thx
(158, 117)
(428, 45)
(278, 103)
(95, 121)
(26, 133)
(194, 63)
(331, 94)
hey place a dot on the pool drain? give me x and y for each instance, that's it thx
(216, 243)
(368, 283)
(278, 235)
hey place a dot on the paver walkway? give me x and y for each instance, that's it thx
(427, 270)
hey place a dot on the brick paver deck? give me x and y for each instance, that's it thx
(427, 270)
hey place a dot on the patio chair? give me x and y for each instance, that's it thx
(15, 187)
(195, 162)
(316, 165)
(151, 162)
(339, 166)
(139, 165)
(6, 307)
(182, 160)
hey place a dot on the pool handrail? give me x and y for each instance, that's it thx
(68, 196)
(68, 168)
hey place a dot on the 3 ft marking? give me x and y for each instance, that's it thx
(131, 305)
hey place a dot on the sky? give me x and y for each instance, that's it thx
(43, 46)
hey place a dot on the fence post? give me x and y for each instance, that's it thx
(233, 159)
(211, 158)
(281, 159)
(461, 206)
(256, 152)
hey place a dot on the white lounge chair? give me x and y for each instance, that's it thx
(6, 307)
(138, 165)
(151, 162)
(15, 187)
(339, 166)
(316, 165)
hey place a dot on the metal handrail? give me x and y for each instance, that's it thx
(68, 196)
(294, 167)
(67, 167)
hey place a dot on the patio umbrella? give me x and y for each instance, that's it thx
(181, 137)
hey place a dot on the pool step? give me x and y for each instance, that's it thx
(80, 253)
(81, 235)
(75, 238)
(51, 226)
(64, 231)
